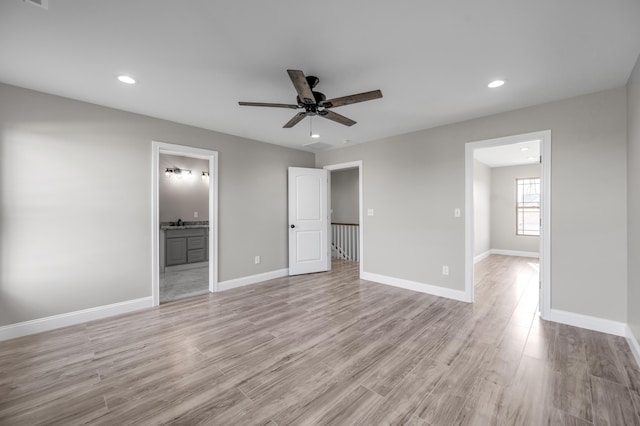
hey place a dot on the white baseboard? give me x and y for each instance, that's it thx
(516, 253)
(71, 318)
(416, 286)
(634, 345)
(590, 323)
(252, 279)
(481, 256)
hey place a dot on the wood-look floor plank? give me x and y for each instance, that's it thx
(527, 401)
(401, 405)
(612, 403)
(628, 363)
(351, 409)
(483, 406)
(602, 359)
(327, 349)
(446, 400)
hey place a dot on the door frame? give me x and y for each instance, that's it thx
(341, 166)
(158, 148)
(545, 212)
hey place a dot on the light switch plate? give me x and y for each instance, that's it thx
(456, 212)
(369, 212)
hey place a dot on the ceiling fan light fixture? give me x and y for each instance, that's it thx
(495, 83)
(313, 135)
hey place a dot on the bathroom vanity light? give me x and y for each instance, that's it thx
(177, 172)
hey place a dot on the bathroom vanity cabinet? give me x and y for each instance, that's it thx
(186, 246)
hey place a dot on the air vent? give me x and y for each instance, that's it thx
(318, 146)
(40, 3)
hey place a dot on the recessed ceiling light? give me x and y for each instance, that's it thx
(532, 158)
(126, 79)
(315, 135)
(495, 83)
(524, 148)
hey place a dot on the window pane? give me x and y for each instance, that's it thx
(528, 206)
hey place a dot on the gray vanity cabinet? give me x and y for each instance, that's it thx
(185, 246)
(176, 251)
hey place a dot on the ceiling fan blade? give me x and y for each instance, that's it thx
(352, 99)
(336, 117)
(265, 104)
(302, 87)
(295, 120)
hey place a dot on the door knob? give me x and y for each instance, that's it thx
(292, 226)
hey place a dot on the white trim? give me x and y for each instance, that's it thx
(590, 323)
(252, 279)
(71, 318)
(416, 286)
(468, 222)
(212, 156)
(482, 256)
(515, 253)
(350, 165)
(633, 344)
(545, 229)
(545, 207)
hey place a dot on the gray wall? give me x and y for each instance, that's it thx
(179, 198)
(503, 210)
(344, 196)
(633, 194)
(481, 208)
(75, 208)
(414, 181)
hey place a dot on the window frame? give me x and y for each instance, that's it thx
(518, 208)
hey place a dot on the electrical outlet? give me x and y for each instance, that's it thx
(195, 215)
(445, 270)
(256, 260)
(369, 212)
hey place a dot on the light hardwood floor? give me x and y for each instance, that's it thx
(327, 349)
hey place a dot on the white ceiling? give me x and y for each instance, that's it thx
(196, 59)
(514, 154)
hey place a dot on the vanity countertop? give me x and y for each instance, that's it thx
(184, 225)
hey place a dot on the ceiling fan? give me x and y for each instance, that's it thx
(316, 103)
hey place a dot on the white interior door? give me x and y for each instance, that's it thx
(308, 221)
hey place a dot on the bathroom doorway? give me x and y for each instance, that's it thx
(183, 208)
(184, 222)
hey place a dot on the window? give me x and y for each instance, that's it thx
(528, 206)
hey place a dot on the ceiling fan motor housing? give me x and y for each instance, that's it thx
(318, 97)
(312, 81)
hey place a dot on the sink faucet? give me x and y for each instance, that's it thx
(179, 222)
